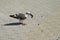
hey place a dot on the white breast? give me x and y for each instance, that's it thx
(26, 15)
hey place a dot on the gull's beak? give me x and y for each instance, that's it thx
(31, 15)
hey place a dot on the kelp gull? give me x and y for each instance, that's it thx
(21, 16)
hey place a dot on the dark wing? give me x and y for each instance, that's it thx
(18, 16)
(13, 16)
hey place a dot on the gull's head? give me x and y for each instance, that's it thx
(29, 13)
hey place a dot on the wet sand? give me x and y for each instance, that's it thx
(44, 26)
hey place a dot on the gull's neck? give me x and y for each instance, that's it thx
(26, 15)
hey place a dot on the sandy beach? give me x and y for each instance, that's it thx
(45, 24)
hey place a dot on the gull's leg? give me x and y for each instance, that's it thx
(21, 21)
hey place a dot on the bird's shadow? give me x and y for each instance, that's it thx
(14, 23)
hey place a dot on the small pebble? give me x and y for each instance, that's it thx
(38, 24)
